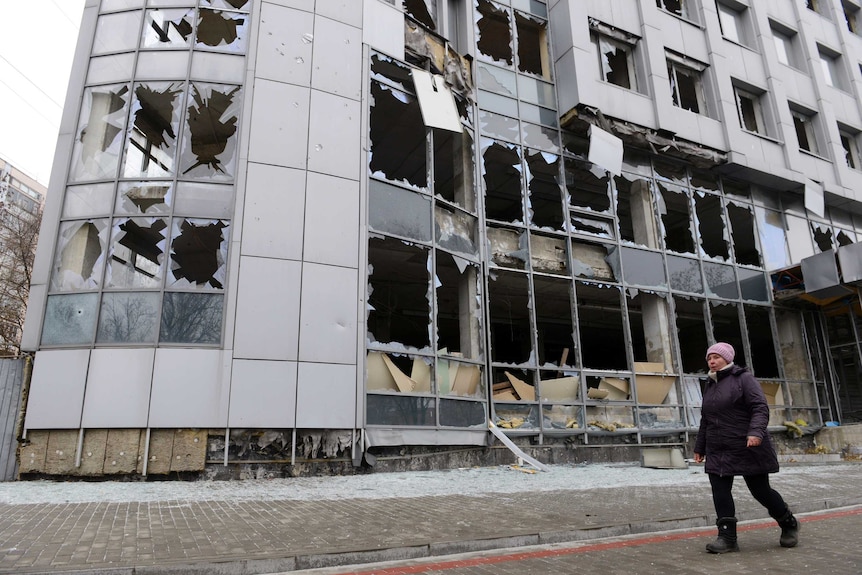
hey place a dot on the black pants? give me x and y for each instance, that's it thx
(759, 487)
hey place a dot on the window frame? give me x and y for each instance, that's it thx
(851, 17)
(685, 10)
(756, 107)
(850, 144)
(679, 65)
(737, 15)
(830, 66)
(805, 126)
(602, 33)
(786, 41)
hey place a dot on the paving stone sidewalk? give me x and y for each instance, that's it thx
(177, 537)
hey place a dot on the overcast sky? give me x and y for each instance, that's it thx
(37, 43)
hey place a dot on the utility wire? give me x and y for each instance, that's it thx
(23, 75)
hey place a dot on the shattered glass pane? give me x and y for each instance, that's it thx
(494, 32)
(691, 333)
(499, 126)
(398, 137)
(541, 137)
(501, 173)
(591, 226)
(798, 238)
(676, 219)
(543, 183)
(209, 144)
(199, 253)
(710, 225)
(136, 256)
(684, 274)
(508, 247)
(770, 224)
(549, 254)
(496, 80)
(610, 418)
(225, 31)
(453, 168)
(734, 189)
(822, 236)
(392, 71)
(642, 268)
(763, 354)
(117, 32)
(191, 318)
(537, 7)
(532, 50)
(458, 309)
(92, 200)
(614, 60)
(632, 192)
(424, 11)
(204, 199)
(587, 185)
(554, 324)
(703, 180)
(168, 28)
(670, 172)
(600, 326)
(70, 319)
(590, 261)
(568, 418)
(720, 281)
(455, 413)
(844, 237)
(128, 318)
(742, 232)
(753, 285)
(143, 198)
(244, 5)
(726, 327)
(80, 256)
(399, 292)
(400, 410)
(99, 135)
(659, 417)
(460, 379)
(455, 230)
(513, 385)
(510, 328)
(152, 136)
(398, 211)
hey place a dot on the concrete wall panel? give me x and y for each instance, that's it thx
(118, 388)
(263, 394)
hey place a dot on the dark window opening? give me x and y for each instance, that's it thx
(545, 190)
(495, 32)
(532, 46)
(196, 253)
(509, 316)
(742, 232)
(691, 333)
(600, 326)
(616, 63)
(453, 168)
(219, 29)
(457, 307)
(686, 89)
(802, 126)
(677, 220)
(749, 112)
(398, 137)
(822, 236)
(398, 293)
(154, 131)
(711, 225)
(554, 326)
(212, 123)
(633, 207)
(501, 166)
(508, 247)
(843, 239)
(587, 185)
(141, 243)
(419, 10)
(725, 327)
(673, 6)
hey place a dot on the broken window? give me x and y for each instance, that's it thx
(805, 134)
(191, 318)
(554, 326)
(851, 16)
(540, 137)
(143, 198)
(753, 285)
(686, 84)
(128, 318)
(720, 281)
(510, 329)
(225, 31)
(600, 326)
(399, 212)
(798, 238)
(684, 274)
(616, 60)
(80, 255)
(641, 267)
(770, 225)
(457, 307)
(549, 254)
(97, 146)
(691, 333)
(455, 230)
(634, 210)
(850, 143)
(494, 32)
(70, 319)
(587, 185)
(749, 108)
(710, 225)
(199, 253)
(533, 55)
(508, 247)
(502, 176)
(591, 226)
(136, 256)
(742, 232)
(152, 137)
(398, 137)
(822, 236)
(844, 237)
(209, 150)
(675, 211)
(453, 168)
(726, 327)
(398, 300)
(424, 11)
(678, 7)
(400, 373)
(168, 28)
(545, 197)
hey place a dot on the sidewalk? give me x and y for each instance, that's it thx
(261, 526)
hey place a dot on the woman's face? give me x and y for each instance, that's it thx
(715, 362)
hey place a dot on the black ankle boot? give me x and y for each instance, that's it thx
(789, 530)
(726, 540)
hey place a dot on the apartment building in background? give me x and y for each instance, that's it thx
(308, 235)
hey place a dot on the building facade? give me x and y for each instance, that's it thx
(298, 232)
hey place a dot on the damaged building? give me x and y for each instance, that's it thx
(314, 237)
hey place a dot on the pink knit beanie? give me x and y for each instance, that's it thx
(725, 350)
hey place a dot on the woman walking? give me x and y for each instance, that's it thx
(733, 440)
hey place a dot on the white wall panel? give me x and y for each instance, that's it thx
(307, 5)
(263, 394)
(383, 28)
(267, 311)
(326, 396)
(337, 58)
(57, 389)
(272, 218)
(285, 40)
(189, 388)
(328, 314)
(279, 125)
(118, 388)
(333, 135)
(331, 221)
(346, 11)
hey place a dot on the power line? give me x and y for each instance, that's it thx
(23, 75)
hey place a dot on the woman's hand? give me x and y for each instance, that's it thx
(699, 458)
(752, 441)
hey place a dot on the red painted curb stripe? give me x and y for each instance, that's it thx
(445, 565)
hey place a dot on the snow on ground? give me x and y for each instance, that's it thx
(483, 481)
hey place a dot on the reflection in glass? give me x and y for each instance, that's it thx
(463, 414)
(642, 268)
(684, 274)
(203, 199)
(79, 258)
(753, 285)
(97, 145)
(191, 318)
(128, 318)
(771, 227)
(400, 410)
(720, 281)
(399, 211)
(70, 319)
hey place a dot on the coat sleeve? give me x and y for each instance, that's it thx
(700, 442)
(757, 405)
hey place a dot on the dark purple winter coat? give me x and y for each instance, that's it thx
(735, 407)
